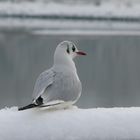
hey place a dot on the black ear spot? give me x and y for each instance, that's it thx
(68, 50)
(73, 48)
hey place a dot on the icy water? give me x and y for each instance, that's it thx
(110, 73)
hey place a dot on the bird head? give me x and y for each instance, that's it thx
(65, 52)
(68, 49)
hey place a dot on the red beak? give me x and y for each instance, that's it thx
(81, 53)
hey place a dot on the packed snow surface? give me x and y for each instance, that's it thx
(70, 124)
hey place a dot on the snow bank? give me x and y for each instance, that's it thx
(107, 9)
(70, 124)
(71, 18)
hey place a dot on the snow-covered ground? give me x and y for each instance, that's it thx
(107, 9)
(71, 18)
(70, 124)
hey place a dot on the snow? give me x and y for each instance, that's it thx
(107, 9)
(70, 124)
(88, 32)
(72, 18)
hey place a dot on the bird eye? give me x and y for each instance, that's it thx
(68, 51)
(73, 48)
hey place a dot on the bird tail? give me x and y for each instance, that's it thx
(27, 107)
(37, 102)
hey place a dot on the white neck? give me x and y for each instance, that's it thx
(64, 61)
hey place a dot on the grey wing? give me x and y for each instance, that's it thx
(44, 80)
(66, 87)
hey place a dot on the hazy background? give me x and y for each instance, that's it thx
(110, 73)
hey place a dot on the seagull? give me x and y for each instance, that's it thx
(59, 85)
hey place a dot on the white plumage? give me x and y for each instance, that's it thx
(60, 84)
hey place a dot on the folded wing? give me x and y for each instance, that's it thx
(44, 80)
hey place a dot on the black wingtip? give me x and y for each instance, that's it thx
(38, 102)
(27, 107)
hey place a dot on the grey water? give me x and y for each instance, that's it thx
(110, 73)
